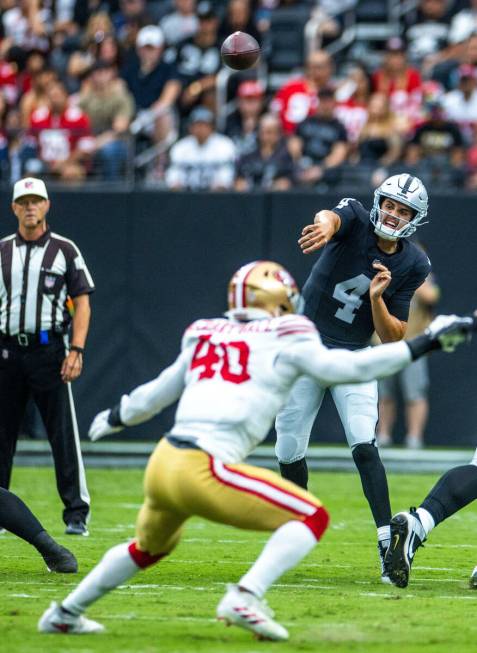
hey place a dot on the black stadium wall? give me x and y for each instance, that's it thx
(160, 260)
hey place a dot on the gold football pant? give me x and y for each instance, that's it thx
(180, 483)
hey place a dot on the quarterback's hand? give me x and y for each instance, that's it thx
(315, 236)
(101, 426)
(380, 281)
(451, 330)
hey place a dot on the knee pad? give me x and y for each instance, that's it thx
(318, 522)
(365, 454)
(143, 559)
(288, 449)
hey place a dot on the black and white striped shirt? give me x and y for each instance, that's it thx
(36, 279)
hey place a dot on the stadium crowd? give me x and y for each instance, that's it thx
(129, 89)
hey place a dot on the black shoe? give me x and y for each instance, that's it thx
(76, 527)
(56, 557)
(407, 535)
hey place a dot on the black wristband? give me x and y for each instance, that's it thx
(421, 345)
(114, 417)
(78, 350)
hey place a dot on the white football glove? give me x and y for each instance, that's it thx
(450, 330)
(100, 426)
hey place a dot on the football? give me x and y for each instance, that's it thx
(240, 51)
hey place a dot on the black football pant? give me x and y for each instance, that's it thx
(34, 371)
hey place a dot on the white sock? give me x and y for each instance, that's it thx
(384, 533)
(427, 520)
(115, 567)
(286, 548)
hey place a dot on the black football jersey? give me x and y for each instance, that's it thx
(336, 293)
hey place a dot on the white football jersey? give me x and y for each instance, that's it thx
(232, 378)
(233, 387)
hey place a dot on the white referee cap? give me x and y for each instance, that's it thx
(29, 186)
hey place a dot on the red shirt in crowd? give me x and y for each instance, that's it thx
(294, 102)
(58, 135)
(404, 93)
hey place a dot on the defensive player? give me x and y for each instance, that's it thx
(232, 376)
(363, 282)
(452, 492)
(17, 518)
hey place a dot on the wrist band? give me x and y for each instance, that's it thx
(78, 350)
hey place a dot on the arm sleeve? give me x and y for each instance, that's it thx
(346, 209)
(149, 399)
(333, 366)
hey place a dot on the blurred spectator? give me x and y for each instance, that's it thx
(239, 18)
(242, 124)
(297, 99)
(4, 146)
(109, 49)
(61, 136)
(379, 145)
(153, 83)
(460, 105)
(270, 165)
(37, 96)
(110, 108)
(26, 26)
(435, 153)
(413, 381)
(426, 29)
(320, 144)
(352, 97)
(133, 15)
(204, 160)
(9, 81)
(180, 24)
(446, 71)
(464, 23)
(198, 61)
(400, 82)
(86, 52)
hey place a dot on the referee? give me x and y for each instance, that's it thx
(40, 272)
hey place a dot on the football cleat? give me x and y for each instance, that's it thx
(56, 620)
(77, 527)
(407, 535)
(245, 610)
(382, 548)
(57, 557)
(473, 580)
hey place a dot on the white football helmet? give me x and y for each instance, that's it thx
(408, 190)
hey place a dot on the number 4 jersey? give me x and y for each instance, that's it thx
(337, 291)
(233, 377)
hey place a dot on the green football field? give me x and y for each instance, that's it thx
(333, 601)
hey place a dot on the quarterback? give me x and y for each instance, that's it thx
(232, 376)
(363, 281)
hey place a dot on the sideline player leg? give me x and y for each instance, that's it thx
(293, 425)
(18, 519)
(357, 408)
(452, 492)
(184, 482)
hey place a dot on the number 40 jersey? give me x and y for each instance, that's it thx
(337, 291)
(235, 376)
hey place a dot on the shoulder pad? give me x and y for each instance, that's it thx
(294, 325)
(200, 328)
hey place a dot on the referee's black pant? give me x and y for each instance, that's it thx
(34, 370)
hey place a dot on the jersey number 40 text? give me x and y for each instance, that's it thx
(229, 359)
